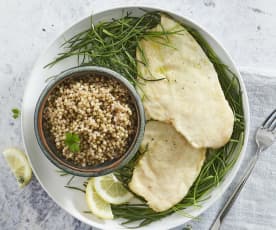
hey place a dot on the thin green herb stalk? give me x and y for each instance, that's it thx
(62, 173)
(65, 174)
(87, 212)
(70, 180)
(75, 188)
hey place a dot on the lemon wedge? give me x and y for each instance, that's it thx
(96, 204)
(111, 190)
(19, 165)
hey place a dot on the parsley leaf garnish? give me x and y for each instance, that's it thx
(72, 140)
(15, 113)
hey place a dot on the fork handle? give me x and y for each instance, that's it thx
(217, 222)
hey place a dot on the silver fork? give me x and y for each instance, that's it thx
(265, 136)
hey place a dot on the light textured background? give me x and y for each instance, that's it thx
(246, 28)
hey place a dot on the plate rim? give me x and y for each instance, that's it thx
(246, 109)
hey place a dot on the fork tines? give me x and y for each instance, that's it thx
(270, 122)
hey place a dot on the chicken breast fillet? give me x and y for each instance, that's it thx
(168, 168)
(190, 96)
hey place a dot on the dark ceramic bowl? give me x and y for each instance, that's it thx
(48, 147)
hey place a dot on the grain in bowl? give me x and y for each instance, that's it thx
(95, 111)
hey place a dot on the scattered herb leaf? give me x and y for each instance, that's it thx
(72, 140)
(15, 113)
(75, 188)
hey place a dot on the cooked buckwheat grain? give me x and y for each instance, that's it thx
(99, 110)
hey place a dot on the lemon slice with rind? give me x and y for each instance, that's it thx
(19, 165)
(96, 204)
(111, 190)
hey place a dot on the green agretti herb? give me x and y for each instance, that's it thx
(113, 45)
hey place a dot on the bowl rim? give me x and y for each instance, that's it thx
(106, 167)
(197, 25)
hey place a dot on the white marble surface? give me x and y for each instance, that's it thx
(246, 28)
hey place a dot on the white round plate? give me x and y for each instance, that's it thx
(46, 173)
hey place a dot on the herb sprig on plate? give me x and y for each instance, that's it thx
(72, 141)
(113, 45)
(15, 113)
